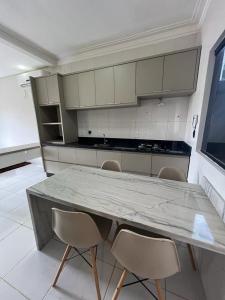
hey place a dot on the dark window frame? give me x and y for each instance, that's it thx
(213, 92)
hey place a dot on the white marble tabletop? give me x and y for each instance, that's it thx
(179, 210)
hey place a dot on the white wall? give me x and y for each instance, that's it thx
(150, 120)
(17, 117)
(211, 265)
(212, 28)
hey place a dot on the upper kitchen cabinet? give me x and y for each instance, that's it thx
(48, 90)
(104, 85)
(149, 76)
(71, 91)
(180, 72)
(124, 76)
(41, 90)
(86, 83)
(53, 86)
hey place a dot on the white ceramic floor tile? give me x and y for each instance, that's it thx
(20, 214)
(7, 292)
(77, 281)
(11, 202)
(170, 296)
(4, 193)
(104, 254)
(133, 292)
(7, 226)
(33, 275)
(14, 247)
(187, 283)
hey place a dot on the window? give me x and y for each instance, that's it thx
(213, 144)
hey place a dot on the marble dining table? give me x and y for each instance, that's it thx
(178, 210)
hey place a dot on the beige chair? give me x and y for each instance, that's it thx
(172, 174)
(112, 165)
(177, 175)
(145, 256)
(80, 230)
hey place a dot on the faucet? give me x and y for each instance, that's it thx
(105, 140)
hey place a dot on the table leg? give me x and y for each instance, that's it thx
(41, 216)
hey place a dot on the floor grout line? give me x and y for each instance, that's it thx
(15, 289)
(111, 276)
(18, 262)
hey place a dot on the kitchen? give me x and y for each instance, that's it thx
(111, 158)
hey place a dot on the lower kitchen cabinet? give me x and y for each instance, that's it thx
(55, 167)
(136, 163)
(58, 158)
(51, 153)
(67, 155)
(86, 157)
(172, 161)
(107, 155)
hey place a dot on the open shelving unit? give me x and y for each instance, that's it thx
(55, 124)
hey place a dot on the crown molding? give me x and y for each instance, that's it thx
(204, 12)
(16, 41)
(140, 39)
(136, 41)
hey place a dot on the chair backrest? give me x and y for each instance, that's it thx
(77, 229)
(147, 257)
(112, 165)
(172, 174)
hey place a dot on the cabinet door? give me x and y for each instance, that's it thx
(172, 161)
(125, 83)
(71, 91)
(55, 167)
(67, 155)
(136, 162)
(179, 71)
(86, 157)
(53, 89)
(41, 90)
(107, 155)
(149, 76)
(104, 84)
(86, 82)
(51, 153)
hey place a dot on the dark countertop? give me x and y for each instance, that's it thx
(131, 145)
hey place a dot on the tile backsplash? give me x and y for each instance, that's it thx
(150, 120)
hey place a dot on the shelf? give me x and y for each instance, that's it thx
(50, 115)
(55, 141)
(47, 105)
(51, 123)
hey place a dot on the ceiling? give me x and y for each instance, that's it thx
(60, 29)
(13, 61)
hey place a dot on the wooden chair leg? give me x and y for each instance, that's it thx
(65, 255)
(120, 284)
(159, 290)
(95, 272)
(191, 253)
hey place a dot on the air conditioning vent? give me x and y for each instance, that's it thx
(24, 79)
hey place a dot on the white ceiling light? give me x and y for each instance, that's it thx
(23, 68)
